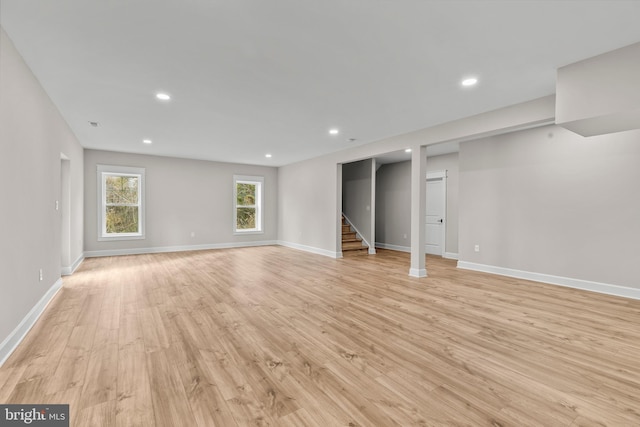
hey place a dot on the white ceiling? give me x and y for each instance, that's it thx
(250, 77)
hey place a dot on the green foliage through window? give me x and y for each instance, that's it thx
(246, 194)
(246, 218)
(122, 204)
(122, 189)
(248, 205)
(122, 219)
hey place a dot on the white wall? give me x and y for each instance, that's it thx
(308, 208)
(549, 201)
(542, 200)
(33, 135)
(307, 189)
(393, 197)
(182, 196)
(393, 204)
(356, 196)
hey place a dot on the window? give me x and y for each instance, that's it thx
(247, 204)
(120, 203)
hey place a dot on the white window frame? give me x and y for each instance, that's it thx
(258, 181)
(103, 172)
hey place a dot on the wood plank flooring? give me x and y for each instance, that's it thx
(271, 336)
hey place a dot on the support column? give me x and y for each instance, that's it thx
(339, 211)
(418, 210)
(372, 242)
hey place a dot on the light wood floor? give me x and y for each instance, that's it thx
(272, 336)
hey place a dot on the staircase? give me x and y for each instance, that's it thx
(351, 243)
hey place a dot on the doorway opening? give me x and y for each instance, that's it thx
(64, 208)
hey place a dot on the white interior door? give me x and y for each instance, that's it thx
(435, 217)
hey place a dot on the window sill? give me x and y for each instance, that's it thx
(121, 237)
(242, 233)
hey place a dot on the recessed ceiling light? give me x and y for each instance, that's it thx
(334, 131)
(147, 141)
(163, 96)
(408, 150)
(268, 156)
(471, 81)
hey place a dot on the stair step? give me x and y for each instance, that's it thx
(355, 252)
(352, 245)
(354, 239)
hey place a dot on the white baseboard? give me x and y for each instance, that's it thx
(11, 342)
(160, 249)
(448, 255)
(393, 247)
(311, 249)
(372, 251)
(68, 271)
(603, 288)
(417, 272)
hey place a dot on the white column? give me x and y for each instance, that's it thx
(339, 211)
(372, 243)
(418, 210)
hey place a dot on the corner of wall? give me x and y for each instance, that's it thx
(8, 346)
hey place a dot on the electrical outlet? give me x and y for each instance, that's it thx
(477, 248)
(41, 275)
(193, 234)
(404, 235)
(57, 205)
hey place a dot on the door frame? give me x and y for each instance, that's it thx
(63, 206)
(434, 176)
